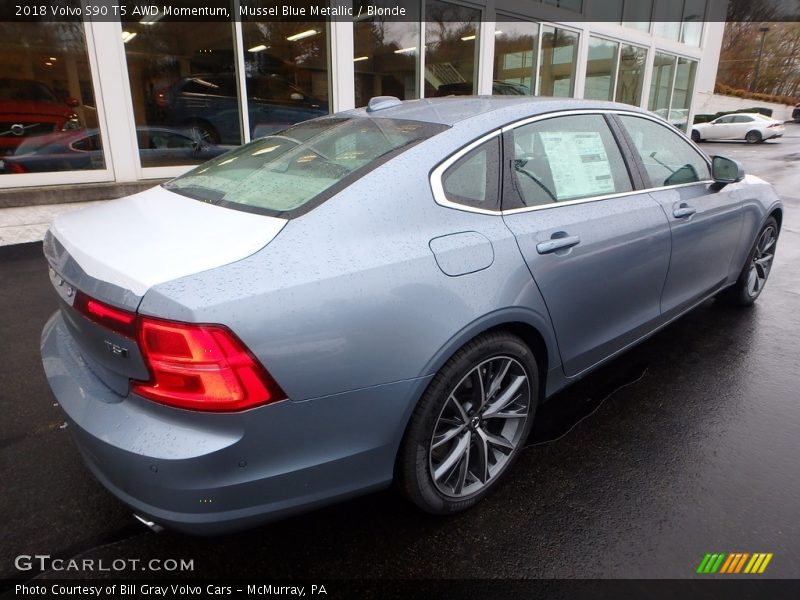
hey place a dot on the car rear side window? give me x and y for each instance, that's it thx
(567, 158)
(668, 158)
(290, 172)
(474, 179)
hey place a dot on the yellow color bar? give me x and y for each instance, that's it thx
(765, 563)
(749, 567)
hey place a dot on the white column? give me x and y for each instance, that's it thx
(343, 96)
(115, 109)
(485, 53)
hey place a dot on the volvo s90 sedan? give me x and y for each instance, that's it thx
(383, 294)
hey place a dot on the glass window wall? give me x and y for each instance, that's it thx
(48, 114)
(630, 75)
(385, 59)
(601, 69)
(286, 69)
(557, 68)
(183, 87)
(451, 47)
(514, 57)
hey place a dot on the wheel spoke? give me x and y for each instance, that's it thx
(505, 415)
(481, 388)
(482, 466)
(752, 281)
(497, 380)
(448, 435)
(451, 460)
(496, 440)
(461, 412)
(508, 396)
(463, 471)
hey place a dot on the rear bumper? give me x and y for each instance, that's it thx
(215, 473)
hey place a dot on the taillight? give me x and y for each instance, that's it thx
(201, 367)
(120, 321)
(774, 125)
(192, 366)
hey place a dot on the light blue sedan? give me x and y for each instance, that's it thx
(381, 294)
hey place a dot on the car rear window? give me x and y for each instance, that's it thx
(290, 172)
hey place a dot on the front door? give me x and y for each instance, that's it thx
(705, 223)
(598, 251)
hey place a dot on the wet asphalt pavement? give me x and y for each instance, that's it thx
(686, 445)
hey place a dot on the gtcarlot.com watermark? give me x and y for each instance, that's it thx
(44, 562)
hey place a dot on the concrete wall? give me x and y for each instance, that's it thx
(707, 103)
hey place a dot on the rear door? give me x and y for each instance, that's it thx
(597, 249)
(706, 223)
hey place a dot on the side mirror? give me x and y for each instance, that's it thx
(726, 170)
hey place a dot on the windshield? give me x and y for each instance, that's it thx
(298, 168)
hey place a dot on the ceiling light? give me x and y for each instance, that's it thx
(497, 32)
(127, 36)
(302, 35)
(152, 18)
(467, 38)
(49, 64)
(360, 58)
(404, 50)
(53, 58)
(259, 48)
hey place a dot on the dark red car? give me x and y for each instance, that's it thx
(29, 108)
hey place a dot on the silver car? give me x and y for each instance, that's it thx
(381, 294)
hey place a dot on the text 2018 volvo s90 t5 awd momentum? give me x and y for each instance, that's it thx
(383, 294)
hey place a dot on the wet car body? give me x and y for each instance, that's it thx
(357, 302)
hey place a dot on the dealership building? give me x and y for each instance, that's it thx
(94, 109)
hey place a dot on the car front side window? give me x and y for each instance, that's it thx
(668, 158)
(567, 158)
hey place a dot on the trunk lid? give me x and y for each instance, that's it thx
(117, 251)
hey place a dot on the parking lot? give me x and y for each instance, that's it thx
(686, 445)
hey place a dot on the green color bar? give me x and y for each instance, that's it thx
(701, 568)
(718, 564)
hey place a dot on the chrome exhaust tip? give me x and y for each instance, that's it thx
(156, 528)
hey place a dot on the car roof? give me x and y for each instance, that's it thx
(492, 110)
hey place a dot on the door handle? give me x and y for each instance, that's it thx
(554, 244)
(683, 211)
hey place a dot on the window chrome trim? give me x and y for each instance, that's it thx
(436, 177)
(441, 199)
(514, 211)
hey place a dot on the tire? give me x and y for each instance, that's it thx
(752, 137)
(203, 132)
(460, 442)
(696, 136)
(757, 267)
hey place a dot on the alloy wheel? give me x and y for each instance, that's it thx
(762, 261)
(479, 427)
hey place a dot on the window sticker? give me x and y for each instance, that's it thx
(578, 163)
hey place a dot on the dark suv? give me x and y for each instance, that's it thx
(208, 105)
